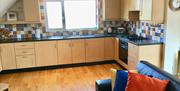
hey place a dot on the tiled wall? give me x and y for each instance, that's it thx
(155, 32)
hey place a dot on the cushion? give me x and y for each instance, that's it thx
(121, 80)
(113, 76)
(139, 82)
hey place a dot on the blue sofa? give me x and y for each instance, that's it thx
(148, 69)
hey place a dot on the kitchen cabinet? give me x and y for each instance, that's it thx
(46, 53)
(7, 56)
(134, 5)
(25, 55)
(31, 10)
(116, 49)
(124, 9)
(64, 52)
(137, 53)
(94, 49)
(109, 48)
(71, 51)
(152, 10)
(0, 64)
(78, 51)
(111, 10)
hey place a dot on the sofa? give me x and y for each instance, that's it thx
(148, 69)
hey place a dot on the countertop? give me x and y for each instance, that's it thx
(54, 38)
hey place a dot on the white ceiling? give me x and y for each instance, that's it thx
(5, 5)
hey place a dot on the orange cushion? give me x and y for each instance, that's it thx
(139, 82)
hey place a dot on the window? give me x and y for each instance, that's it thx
(71, 14)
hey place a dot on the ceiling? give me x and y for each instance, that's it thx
(5, 5)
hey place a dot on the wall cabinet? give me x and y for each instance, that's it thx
(46, 53)
(134, 5)
(111, 10)
(152, 10)
(31, 10)
(7, 56)
(124, 9)
(94, 50)
(137, 53)
(109, 48)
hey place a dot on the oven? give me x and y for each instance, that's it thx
(123, 51)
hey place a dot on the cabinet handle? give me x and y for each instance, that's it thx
(24, 52)
(72, 44)
(0, 49)
(55, 46)
(24, 57)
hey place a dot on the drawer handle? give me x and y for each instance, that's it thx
(24, 52)
(24, 57)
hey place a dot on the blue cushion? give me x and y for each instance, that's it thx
(121, 80)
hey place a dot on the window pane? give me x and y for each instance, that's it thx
(80, 14)
(54, 15)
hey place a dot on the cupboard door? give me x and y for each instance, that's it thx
(46, 53)
(124, 8)
(8, 56)
(111, 9)
(25, 61)
(31, 10)
(64, 52)
(109, 48)
(146, 10)
(78, 51)
(116, 49)
(0, 64)
(94, 50)
(134, 5)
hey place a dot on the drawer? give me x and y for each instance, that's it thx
(25, 61)
(25, 52)
(24, 45)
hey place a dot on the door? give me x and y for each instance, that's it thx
(94, 50)
(78, 51)
(109, 48)
(8, 56)
(111, 9)
(64, 52)
(134, 5)
(146, 10)
(31, 10)
(124, 8)
(46, 53)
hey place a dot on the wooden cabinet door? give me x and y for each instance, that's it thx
(109, 48)
(64, 52)
(146, 10)
(78, 51)
(8, 56)
(46, 53)
(134, 5)
(124, 8)
(111, 9)
(94, 50)
(116, 49)
(31, 10)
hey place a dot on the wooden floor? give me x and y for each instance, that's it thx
(68, 79)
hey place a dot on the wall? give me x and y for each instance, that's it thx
(172, 41)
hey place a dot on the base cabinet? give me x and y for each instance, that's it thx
(94, 50)
(46, 53)
(150, 53)
(7, 56)
(109, 48)
(64, 52)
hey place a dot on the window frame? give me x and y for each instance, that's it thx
(64, 18)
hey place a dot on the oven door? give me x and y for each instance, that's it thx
(123, 51)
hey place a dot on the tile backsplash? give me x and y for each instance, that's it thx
(145, 29)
